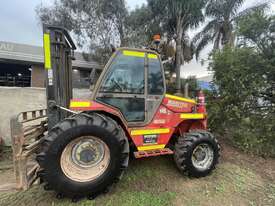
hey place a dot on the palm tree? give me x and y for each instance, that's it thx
(176, 17)
(223, 15)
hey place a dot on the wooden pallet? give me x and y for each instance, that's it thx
(27, 129)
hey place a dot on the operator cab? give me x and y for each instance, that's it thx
(132, 82)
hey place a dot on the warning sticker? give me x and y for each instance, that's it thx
(50, 77)
(150, 139)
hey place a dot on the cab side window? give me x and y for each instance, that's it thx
(155, 76)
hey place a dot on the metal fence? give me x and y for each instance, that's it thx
(15, 81)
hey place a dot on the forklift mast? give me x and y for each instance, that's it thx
(58, 55)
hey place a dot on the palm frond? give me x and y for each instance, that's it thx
(204, 41)
(211, 27)
(214, 8)
(260, 6)
(233, 6)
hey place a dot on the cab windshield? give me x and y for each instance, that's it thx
(126, 75)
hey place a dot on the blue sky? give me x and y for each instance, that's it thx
(19, 24)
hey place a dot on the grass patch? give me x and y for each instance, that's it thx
(156, 182)
(220, 188)
(141, 199)
(271, 193)
(37, 196)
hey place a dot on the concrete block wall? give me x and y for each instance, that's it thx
(14, 100)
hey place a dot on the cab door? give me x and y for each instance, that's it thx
(155, 85)
(123, 85)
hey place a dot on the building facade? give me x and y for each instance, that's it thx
(23, 66)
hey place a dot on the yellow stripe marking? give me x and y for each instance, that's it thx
(152, 56)
(180, 98)
(192, 116)
(151, 147)
(150, 131)
(133, 53)
(47, 51)
(80, 104)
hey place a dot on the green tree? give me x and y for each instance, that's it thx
(140, 28)
(238, 109)
(220, 29)
(96, 24)
(243, 103)
(257, 31)
(175, 17)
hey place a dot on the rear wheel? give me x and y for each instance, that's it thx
(84, 155)
(197, 153)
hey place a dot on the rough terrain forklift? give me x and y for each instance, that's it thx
(83, 146)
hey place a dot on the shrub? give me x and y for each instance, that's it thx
(242, 106)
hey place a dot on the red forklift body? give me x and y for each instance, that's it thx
(132, 88)
(175, 115)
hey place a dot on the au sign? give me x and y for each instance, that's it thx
(6, 47)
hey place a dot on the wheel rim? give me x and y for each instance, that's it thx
(203, 156)
(85, 158)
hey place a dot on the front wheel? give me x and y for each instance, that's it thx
(83, 155)
(197, 153)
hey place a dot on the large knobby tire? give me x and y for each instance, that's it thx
(196, 153)
(62, 140)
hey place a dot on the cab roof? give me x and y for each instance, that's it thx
(137, 49)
